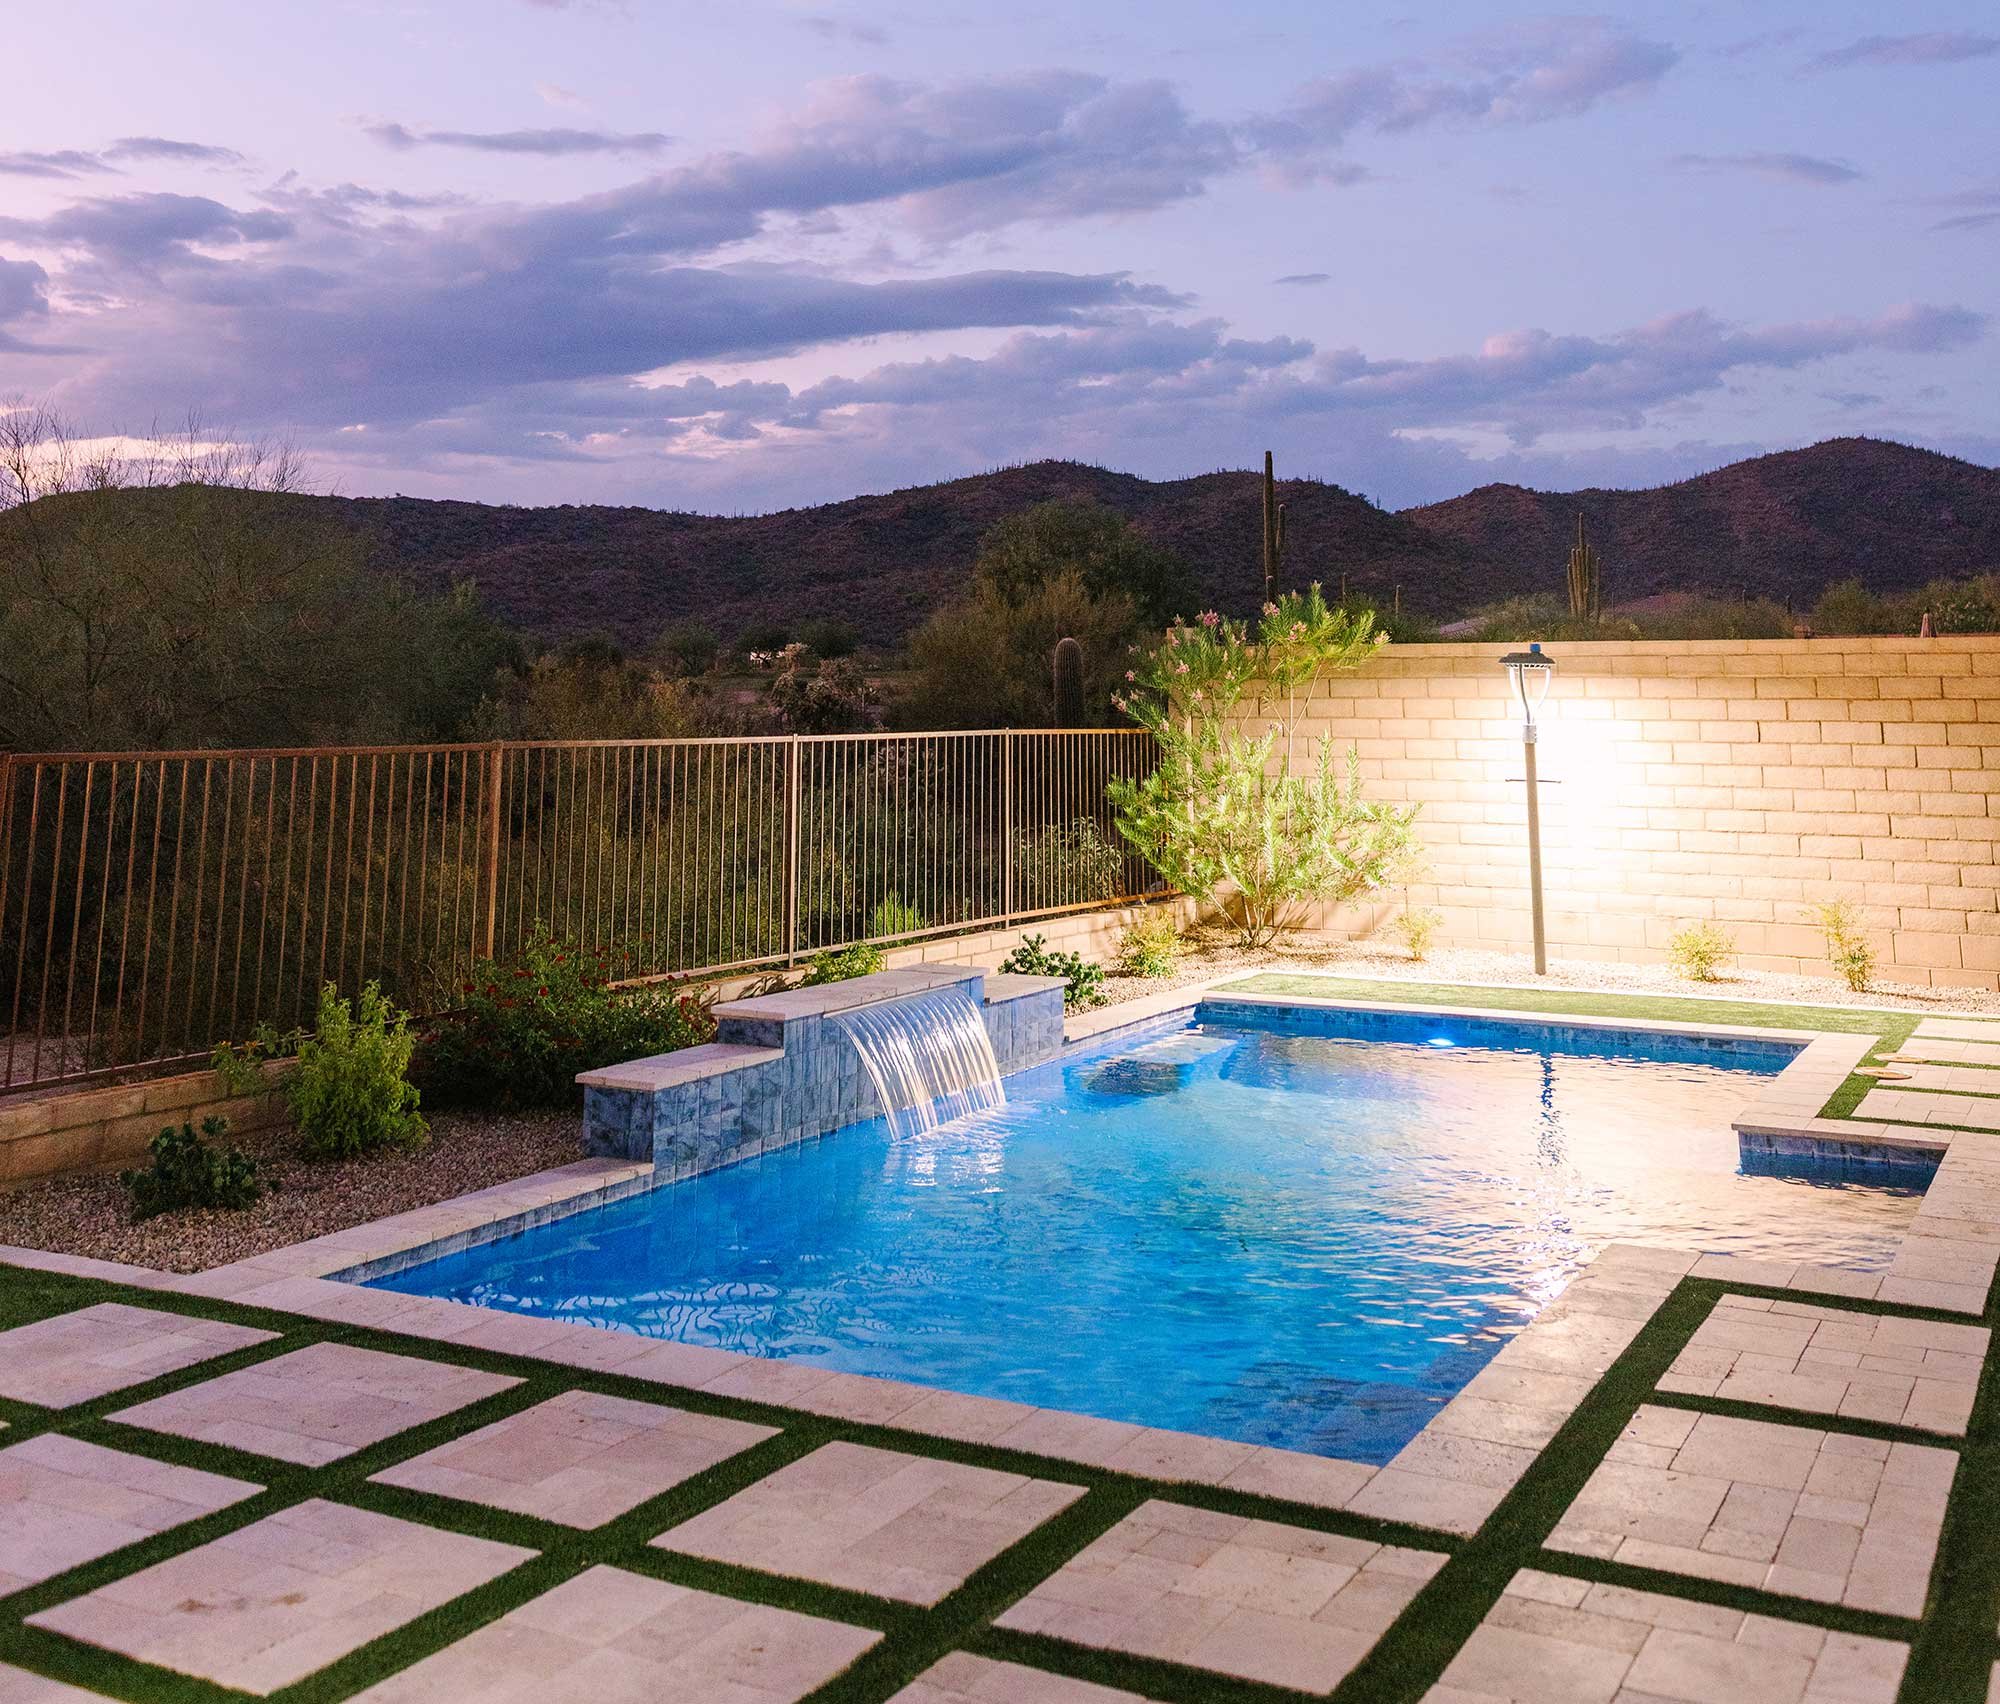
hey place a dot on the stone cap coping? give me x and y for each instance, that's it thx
(690, 1064)
(1002, 986)
(795, 1004)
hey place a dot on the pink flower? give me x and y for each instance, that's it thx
(1270, 609)
(1129, 675)
(1180, 668)
(1210, 619)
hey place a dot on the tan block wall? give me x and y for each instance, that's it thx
(1743, 782)
(95, 1128)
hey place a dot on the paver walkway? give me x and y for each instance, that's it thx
(463, 1507)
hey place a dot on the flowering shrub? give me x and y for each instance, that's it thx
(1224, 817)
(529, 1025)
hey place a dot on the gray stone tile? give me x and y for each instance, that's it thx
(316, 1404)
(1553, 1640)
(1253, 1599)
(270, 1603)
(873, 1520)
(962, 1678)
(580, 1458)
(74, 1357)
(610, 1637)
(1790, 1509)
(64, 1502)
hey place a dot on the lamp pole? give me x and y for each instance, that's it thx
(1528, 672)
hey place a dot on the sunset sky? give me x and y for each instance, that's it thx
(749, 256)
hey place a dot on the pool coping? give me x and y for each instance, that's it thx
(1449, 1478)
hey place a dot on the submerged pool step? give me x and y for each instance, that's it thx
(1160, 1067)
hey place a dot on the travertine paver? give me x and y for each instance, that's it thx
(1551, 1640)
(74, 1357)
(1926, 1107)
(962, 1678)
(1253, 1599)
(316, 1404)
(64, 1502)
(268, 1604)
(1902, 1372)
(872, 1520)
(1960, 1029)
(18, 1686)
(580, 1458)
(609, 1637)
(1787, 1508)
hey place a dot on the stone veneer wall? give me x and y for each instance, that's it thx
(781, 1071)
(1743, 782)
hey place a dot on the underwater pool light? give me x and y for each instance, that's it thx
(1440, 1041)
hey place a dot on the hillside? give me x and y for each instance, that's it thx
(882, 562)
(1781, 526)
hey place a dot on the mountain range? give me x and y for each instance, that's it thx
(1782, 526)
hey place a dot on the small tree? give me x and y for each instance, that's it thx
(1224, 817)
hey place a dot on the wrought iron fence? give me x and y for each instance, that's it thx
(153, 904)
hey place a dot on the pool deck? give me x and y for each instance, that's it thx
(1755, 1466)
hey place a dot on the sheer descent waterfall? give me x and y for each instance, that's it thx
(928, 1056)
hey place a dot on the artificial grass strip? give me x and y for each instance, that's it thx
(1953, 1649)
(1892, 1029)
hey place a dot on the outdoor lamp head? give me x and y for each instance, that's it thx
(1529, 672)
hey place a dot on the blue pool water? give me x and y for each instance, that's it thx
(1304, 1239)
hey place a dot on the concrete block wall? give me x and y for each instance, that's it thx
(1742, 782)
(96, 1128)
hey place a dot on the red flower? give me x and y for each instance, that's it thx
(465, 988)
(543, 991)
(492, 988)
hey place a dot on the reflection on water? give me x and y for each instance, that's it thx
(1294, 1239)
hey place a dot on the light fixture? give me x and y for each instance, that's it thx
(1528, 672)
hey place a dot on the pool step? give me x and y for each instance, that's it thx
(1160, 1067)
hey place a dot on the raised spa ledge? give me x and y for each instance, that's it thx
(783, 1069)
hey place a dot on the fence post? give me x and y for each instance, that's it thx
(1007, 837)
(489, 863)
(792, 755)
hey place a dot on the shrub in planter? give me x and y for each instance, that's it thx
(188, 1172)
(529, 1025)
(1083, 982)
(350, 1092)
(842, 966)
(1150, 947)
(1701, 951)
(1847, 950)
(1415, 927)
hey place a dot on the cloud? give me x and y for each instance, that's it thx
(829, 28)
(23, 292)
(1981, 209)
(552, 142)
(140, 228)
(1792, 168)
(554, 94)
(63, 163)
(1940, 47)
(1304, 278)
(166, 148)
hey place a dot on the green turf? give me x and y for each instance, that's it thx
(1891, 1028)
(1953, 1648)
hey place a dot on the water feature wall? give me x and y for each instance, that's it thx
(928, 1056)
(783, 1069)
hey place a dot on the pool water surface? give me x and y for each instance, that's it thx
(1312, 1240)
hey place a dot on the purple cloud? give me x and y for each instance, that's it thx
(1791, 168)
(1939, 47)
(554, 142)
(63, 163)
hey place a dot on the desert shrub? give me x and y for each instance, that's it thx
(828, 637)
(763, 636)
(810, 696)
(350, 1092)
(239, 1066)
(894, 915)
(1701, 951)
(1083, 982)
(530, 1024)
(1224, 817)
(843, 965)
(188, 1172)
(1852, 958)
(1416, 926)
(691, 647)
(1066, 863)
(1151, 946)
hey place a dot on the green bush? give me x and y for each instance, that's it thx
(529, 1025)
(1846, 949)
(843, 966)
(894, 916)
(1083, 982)
(350, 1093)
(1066, 863)
(1152, 946)
(187, 1172)
(1415, 927)
(1701, 951)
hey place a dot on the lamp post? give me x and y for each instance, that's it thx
(1528, 673)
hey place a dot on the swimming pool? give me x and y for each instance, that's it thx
(1306, 1227)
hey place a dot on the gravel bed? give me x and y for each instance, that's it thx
(1214, 954)
(90, 1214)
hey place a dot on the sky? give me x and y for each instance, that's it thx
(743, 257)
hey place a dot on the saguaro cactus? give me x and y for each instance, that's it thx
(1274, 530)
(1586, 586)
(1069, 684)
